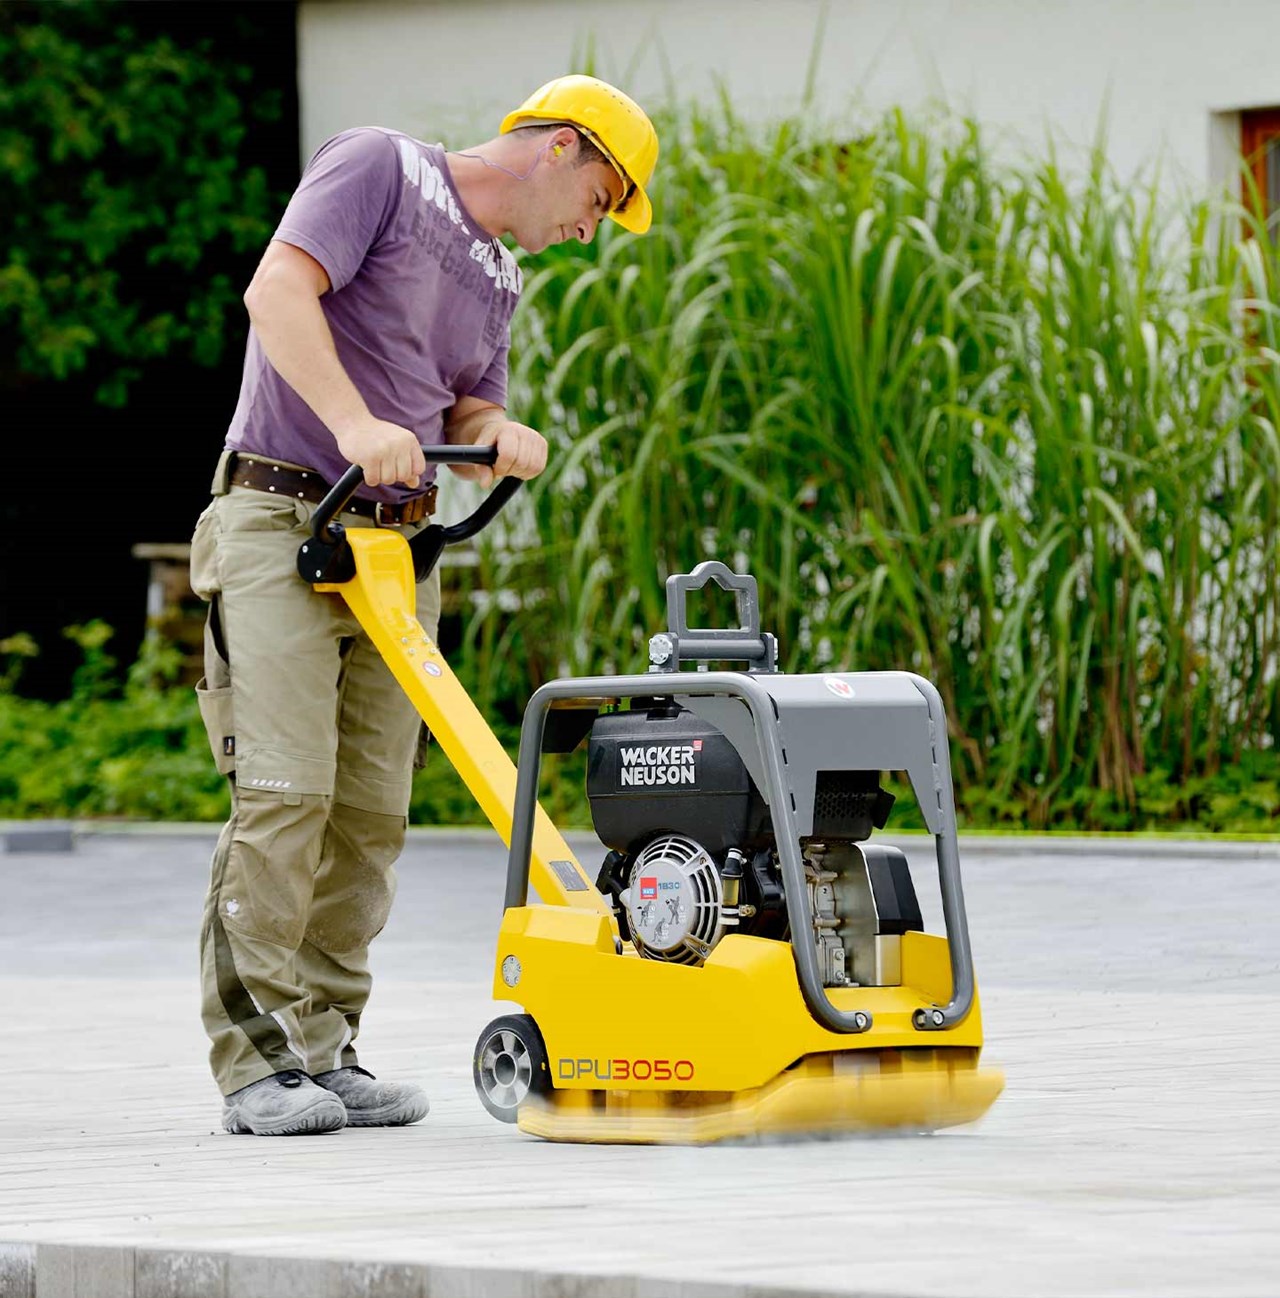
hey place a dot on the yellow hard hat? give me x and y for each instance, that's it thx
(612, 121)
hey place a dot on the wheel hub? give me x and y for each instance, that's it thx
(505, 1069)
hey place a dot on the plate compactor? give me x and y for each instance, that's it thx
(745, 962)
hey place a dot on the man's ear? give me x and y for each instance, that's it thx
(562, 141)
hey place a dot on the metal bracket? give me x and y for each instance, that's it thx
(327, 557)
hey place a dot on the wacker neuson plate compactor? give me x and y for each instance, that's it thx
(745, 962)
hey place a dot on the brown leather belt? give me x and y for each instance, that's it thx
(306, 484)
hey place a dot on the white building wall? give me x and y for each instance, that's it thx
(1172, 75)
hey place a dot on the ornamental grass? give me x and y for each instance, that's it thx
(1009, 424)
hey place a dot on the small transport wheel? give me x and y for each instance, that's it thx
(510, 1062)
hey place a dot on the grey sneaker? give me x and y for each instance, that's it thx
(371, 1103)
(285, 1104)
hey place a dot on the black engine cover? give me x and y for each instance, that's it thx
(663, 768)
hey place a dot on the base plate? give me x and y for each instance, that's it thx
(856, 1091)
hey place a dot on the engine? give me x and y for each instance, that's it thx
(693, 856)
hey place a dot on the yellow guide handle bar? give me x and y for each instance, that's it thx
(376, 571)
(326, 557)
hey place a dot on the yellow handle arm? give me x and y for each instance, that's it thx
(382, 595)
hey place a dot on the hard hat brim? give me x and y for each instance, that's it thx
(638, 214)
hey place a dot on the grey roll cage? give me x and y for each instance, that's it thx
(786, 729)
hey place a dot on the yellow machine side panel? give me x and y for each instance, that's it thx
(382, 595)
(926, 964)
(733, 1023)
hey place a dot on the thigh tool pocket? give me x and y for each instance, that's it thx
(213, 692)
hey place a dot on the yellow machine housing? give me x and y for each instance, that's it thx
(621, 1048)
(640, 1051)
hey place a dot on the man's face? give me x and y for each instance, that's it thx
(568, 201)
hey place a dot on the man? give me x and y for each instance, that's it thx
(380, 323)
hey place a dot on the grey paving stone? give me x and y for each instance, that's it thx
(477, 1282)
(17, 1270)
(40, 838)
(774, 1291)
(282, 1277)
(660, 1287)
(569, 1285)
(180, 1274)
(380, 1280)
(84, 1271)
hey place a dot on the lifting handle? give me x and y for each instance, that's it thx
(326, 557)
(743, 643)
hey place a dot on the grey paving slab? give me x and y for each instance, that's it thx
(1133, 1000)
(17, 1270)
(50, 836)
(84, 1271)
(177, 1273)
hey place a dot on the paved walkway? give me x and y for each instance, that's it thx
(1133, 998)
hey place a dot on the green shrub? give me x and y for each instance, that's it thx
(136, 748)
(124, 195)
(114, 748)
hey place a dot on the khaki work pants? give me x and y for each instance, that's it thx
(319, 741)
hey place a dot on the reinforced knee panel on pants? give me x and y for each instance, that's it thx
(267, 880)
(356, 883)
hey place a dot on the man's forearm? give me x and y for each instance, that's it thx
(296, 339)
(520, 450)
(467, 430)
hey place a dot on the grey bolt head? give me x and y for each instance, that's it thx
(660, 649)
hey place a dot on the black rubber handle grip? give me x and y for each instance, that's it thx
(347, 485)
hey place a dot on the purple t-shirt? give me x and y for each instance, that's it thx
(420, 307)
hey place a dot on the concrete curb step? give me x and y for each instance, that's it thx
(113, 1271)
(53, 837)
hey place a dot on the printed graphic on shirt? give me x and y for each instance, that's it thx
(423, 173)
(436, 225)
